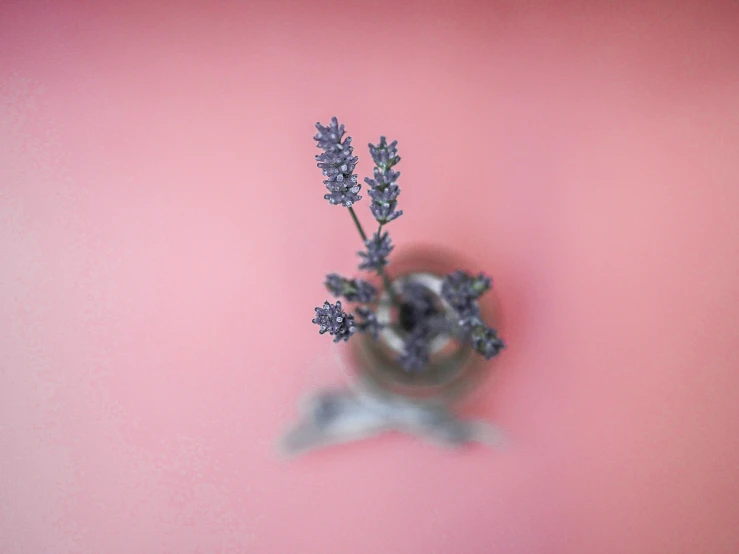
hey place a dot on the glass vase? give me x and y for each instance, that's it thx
(453, 368)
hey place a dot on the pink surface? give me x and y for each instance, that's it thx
(163, 240)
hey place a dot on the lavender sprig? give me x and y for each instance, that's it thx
(353, 290)
(337, 163)
(334, 321)
(378, 249)
(461, 291)
(383, 189)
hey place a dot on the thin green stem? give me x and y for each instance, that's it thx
(381, 271)
(359, 225)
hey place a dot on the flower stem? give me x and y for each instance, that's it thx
(381, 271)
(359, 225)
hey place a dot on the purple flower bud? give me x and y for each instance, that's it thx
(385, 213)
(382, 192)
(378, 249)
(483, 339)
(384, 154)
(332, 320)
(368, 322)
(337, 163)
(353, 290)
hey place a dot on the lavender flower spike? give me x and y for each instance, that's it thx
(334, 321)
(354, 290)
(378, 249)
(462, 291)
(383, 189)
(337, 163)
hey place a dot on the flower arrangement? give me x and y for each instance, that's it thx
(420, 316)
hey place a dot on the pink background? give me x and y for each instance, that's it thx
(163, 241)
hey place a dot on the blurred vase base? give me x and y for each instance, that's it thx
(330, 417)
